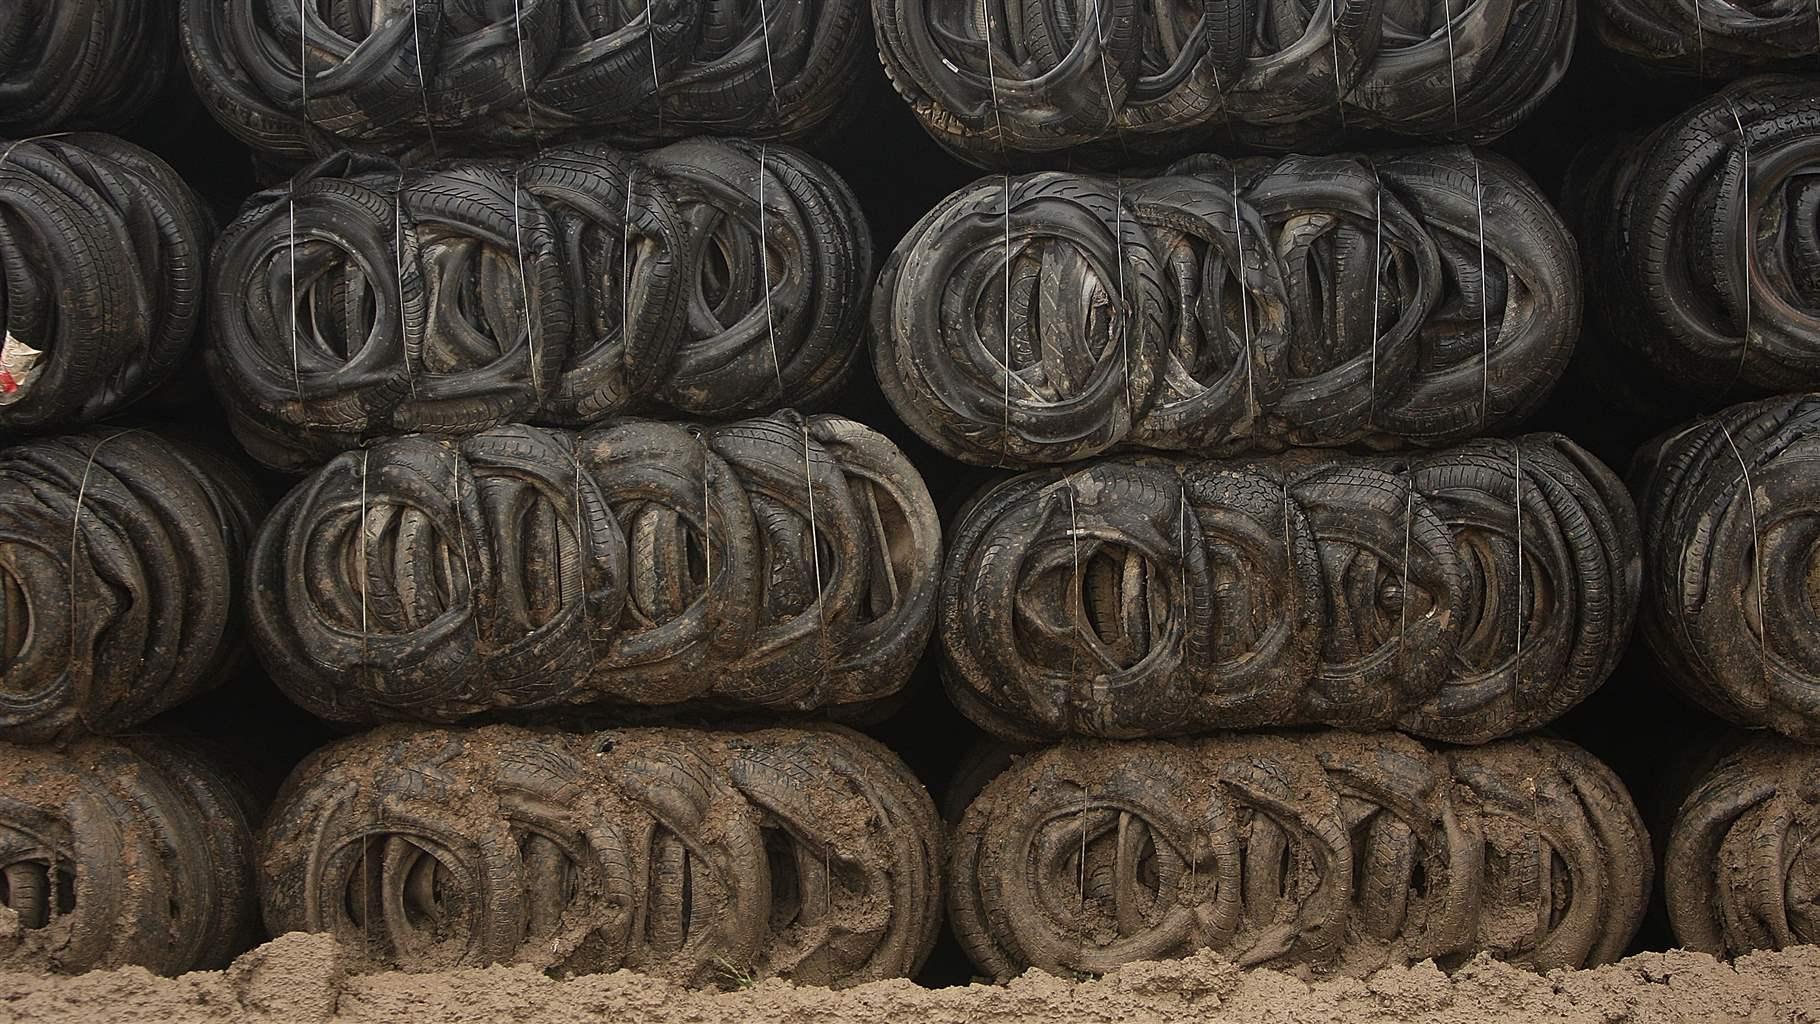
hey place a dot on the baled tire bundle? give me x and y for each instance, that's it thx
(68, 64)
(1704, 244)
(363, 300)
(1728, 520)
(103, 250)
(780, 562)
(1743, 866)
(121, 557)
(808, 854)
(298, 82)
(1462, 595)
(116, 853)
(1317, 853)
(1422, 297)
(991, 79)
(1717, 40)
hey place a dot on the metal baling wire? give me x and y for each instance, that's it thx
(1004, 439)
(1120, 323)
(76, 531)
(524, 285)
(1409, 519)
(365, 658)
(1478, 200)
(461, 533)
(1377, 284)
(404, 331)
(1112, 114)
(423, 82)
(1745, 229)
(1238, 234)
(1516, 448)
(657, 85)
(1700, 40)
(815, 557)
(1453, 79)
(764, 269)
(1333, 36)
(1756, 531)
(296, 371)
(764, 25)
(524, 72)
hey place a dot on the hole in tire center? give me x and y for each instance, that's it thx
(15, 623)
(36, 892)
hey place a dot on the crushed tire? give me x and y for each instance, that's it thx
(1742, 867)
(365, 300)
(992, 81)
(73, 64)
(1316, 853)
(121, 559)
(1422, 297)
(1714, 40)
(1716, 286)
(122, 852)
(468, 78)
(1462, 595)
(104, 252)
(705, 858)
(782, 563)
(1728, 528)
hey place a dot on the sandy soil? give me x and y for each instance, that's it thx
(302, 979)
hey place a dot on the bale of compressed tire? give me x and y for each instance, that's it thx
(1461, 595)
(1314, 853)
(299, 82)
(1742, 867)
(136, 851)
(121, 586)
(993, 81)
(1418, 298)
(1702, 243)
(1729, 538)
(781, 563)
(1711, 40)
(104, 251)
(73, 64)
(702, 857)
(363, 300)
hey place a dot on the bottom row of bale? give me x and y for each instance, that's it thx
(815, 855)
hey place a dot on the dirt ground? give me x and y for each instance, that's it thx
(301, 979)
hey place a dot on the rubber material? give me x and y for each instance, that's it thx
(122, 853)
(779, 562)
(1316, 853)
(1422, 297)
(121, 556)
(992, 81)
(1462, 595)
(1741, 869)
(1711, 40)
(73, 64)
(301, 81)
(702, 857)
(103, 254)
(365, 300)
(1716, 285)
(1727, 506)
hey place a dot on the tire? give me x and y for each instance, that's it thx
(780, 562)
(704, 858)
(82, 65)
(122, 559)
(1313, 853)
(1462, 595)
(1128, 326)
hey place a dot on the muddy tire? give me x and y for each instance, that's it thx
(1316, 853)
(1462, 595)
(113, 855)
(706, 858)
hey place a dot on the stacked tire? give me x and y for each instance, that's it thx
(703, 857)
(365, 300)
